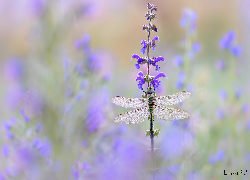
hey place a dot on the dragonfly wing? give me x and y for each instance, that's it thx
(129, 102)
(172, 99)
(170, 114)
(132, 117)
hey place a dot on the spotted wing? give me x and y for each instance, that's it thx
(170, 114)
(172, 99)
(129, 102)
(132, 117)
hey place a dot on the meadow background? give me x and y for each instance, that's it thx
(62, 61)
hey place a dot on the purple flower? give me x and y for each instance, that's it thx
(45, 148)
(157, 59)
(38, 127)
(96, 111)
(13, 69)
(223, 94)
(217, 157)
(246, 108)
(2, 176)
(226, 41)
(236, 50)
(76, 174)
(7, 125)
(238, 93)
(248, 124)
(139, 60)
(188, 19)
(26, 118)
(156, 83)
(9, 134)
(178, 60)
(220, 64)
(5, 150)
(220, 113)
(36, 143)
(179, 84)
(140, 79)
(145, 45)
(153, 42)
(83, 43)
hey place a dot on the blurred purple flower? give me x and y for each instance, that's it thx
(223, 94)
(245, 108)
(7, 125)
(85, 143)
(33, 102)
(145, 45)
(39, 127)
(96, 113)
(13, 69)
(45, 148)
(79, 69)
(190, 88)
(195, 48)
(236, 50)
(93, 62)
(79, 96)
(226, 41)
(173, 144)
(9, 134)
(37, 6)
(188, 19)
(140, 79)
(219, 113)
(76, 174)
(238, 93)
(179, 84)
(85, 166)
(14, 97)
(36, 142)
(178, 60)
(2, 176)
(5, 150)
(83, 43)
(217, 157)
(26, 118)
(220, 64)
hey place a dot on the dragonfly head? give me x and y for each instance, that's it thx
(150, 90)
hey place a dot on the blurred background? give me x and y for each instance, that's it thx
(62, 62)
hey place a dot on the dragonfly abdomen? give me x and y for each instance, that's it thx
(151, 103)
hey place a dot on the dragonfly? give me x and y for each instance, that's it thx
(151, 105)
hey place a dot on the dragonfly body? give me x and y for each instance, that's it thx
(149, 105)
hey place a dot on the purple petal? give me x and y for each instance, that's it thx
(155, 38)
(160, 58)
(236, 50)
(140, 73)
(160, 75)
(137, 66)
(178, 60)
(5, 150)
(135, 56)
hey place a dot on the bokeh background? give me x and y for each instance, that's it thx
(62, 61)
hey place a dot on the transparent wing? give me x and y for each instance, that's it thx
(132, 117)
(172, 99)
(170, 114)
(129, 102)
